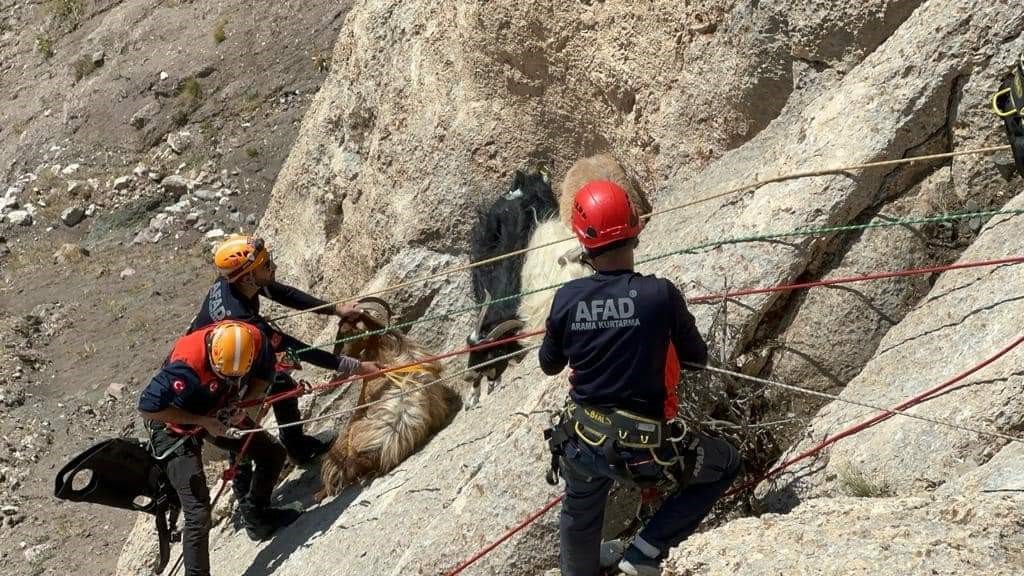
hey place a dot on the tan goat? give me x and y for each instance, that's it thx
(379, 437)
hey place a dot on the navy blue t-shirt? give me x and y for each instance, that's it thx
(224, 301)
(618, 332)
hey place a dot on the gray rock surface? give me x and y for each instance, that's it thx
(72, 216)
(888, 536)
(20, 217)
(854, 317)
(175, 185)
(967, 316)
(430, 106)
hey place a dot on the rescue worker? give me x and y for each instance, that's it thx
(207, 372)
(247, 271)
(624, 334)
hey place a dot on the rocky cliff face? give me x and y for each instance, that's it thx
(432, 105)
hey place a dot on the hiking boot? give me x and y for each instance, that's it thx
(306, 449)
(636, 563)
(261, 523)
(611, 552)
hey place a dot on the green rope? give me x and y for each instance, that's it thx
(823, 231)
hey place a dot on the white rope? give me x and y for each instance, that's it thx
(452, 376)
(858, 403)
(737, 190)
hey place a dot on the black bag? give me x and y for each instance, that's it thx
(122, 473)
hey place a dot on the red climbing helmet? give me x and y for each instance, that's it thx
(602, 214)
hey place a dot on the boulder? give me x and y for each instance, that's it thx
(175, 185)
(20, 217)
(207, 194)
(69, 253)
(123, 183)
(179, 142)
(72, 216)
(144, 116)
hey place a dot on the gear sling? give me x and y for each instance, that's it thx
(1008, 104)
(610, 430)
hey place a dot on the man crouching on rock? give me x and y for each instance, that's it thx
(623, 334)
(206, 374)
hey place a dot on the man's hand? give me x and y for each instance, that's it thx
(367, 368)
(232, 415)
(347, 312)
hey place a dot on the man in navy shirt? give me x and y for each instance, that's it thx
(624, 335)
(206, 374)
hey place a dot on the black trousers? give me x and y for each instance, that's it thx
(285, 412)
(184, 468)
(588, 478)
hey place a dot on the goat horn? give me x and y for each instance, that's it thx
(374, 314)
(483, 311)
(379, 302)
(571, 256)
(506, 327)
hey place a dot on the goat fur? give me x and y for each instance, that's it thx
(542, 269)
(379, 437)
(599, 167)
(505, 227)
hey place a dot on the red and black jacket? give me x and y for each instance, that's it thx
(624, 336)
(186, 380)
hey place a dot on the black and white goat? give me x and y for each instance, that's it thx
(528, 217)
(556, 263)
(505, 227)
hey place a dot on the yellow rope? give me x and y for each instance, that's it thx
(730, 192)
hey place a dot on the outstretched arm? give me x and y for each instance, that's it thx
(296, 299)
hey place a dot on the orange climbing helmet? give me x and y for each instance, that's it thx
(239, 255)
(233, 348)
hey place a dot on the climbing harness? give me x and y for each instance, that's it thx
(612, 431)
(1008, 104)
(124, 474)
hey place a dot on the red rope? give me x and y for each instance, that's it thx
(860, 278)
(880, 417)
(348, 379)
(745, 292)
(486, 549)
(227, 476)
(734, 294)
